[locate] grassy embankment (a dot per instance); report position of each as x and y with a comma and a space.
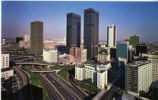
36, 82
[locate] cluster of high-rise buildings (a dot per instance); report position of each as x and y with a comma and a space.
91, 31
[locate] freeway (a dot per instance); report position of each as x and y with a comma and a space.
68, 86
25, 91
59, 89
51, 90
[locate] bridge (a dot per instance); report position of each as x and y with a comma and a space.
30, 63
45, 71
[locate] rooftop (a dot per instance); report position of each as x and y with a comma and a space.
138, 63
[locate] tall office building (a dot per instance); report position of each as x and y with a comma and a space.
91, 32
73, 31
37, 38
111, 36
138, 76
134, 41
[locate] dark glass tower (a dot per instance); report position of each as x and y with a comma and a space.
37, 38
73, 32
91, 32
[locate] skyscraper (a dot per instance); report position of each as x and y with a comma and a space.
111, 36
91, 32
73, 30
134, 41
37, 37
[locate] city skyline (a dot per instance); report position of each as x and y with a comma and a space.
130, 17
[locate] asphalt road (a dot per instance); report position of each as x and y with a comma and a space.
59, 89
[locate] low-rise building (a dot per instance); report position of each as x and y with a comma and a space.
5, 61
97, 74
50, 55
25, 44
79, 55
7, 73
3, 41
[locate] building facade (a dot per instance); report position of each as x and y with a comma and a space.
91, 32
141, 48
37, 38
26, 37
25, 44
138, 76
97, 74
111, 36
5, 61
122, 50
79, 55
102, 79
104, 55
79, 72
154, 61
50, 55
3, 41
73, 32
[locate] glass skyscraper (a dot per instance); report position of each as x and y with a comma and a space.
91, 32
73, 31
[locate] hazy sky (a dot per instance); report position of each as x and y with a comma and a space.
139, 18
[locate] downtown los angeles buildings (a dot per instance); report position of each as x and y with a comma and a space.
73, 31
37, 38
50, 55
138, 76
134, 41
6, 71
91, 32
26, 42
98, 74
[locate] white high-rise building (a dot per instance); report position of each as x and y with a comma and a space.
138, 76
102, 79
50, 55
111, 36
5, 61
